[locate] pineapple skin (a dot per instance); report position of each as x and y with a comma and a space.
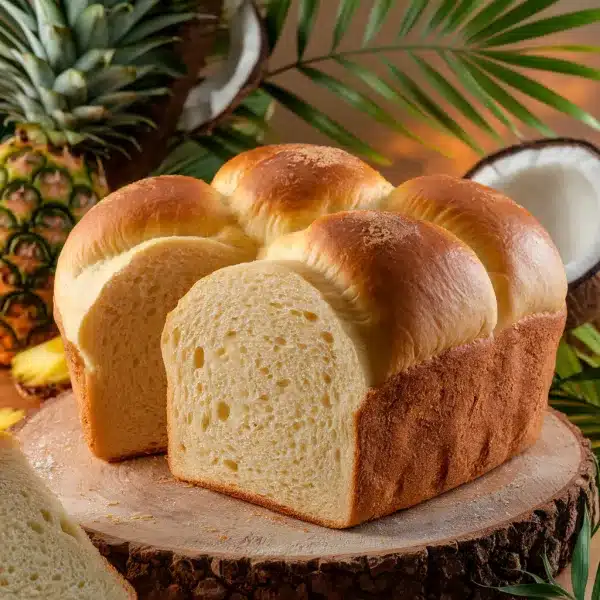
44, 192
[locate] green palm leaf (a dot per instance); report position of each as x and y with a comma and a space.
277, 11
545, 27
512, 18
447, 90
544, 63
487, 15
538, 91
377, 16
502, 97
308, 13
323, 123
413, 12
346, 10
465, 36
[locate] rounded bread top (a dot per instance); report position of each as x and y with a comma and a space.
522, 261
169, 205
276, 190
412, 288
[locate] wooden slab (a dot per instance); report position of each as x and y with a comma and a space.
172, 538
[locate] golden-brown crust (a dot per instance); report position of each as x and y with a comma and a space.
151, 208
417, 290
283, 189
523, 263
453, 418
233, 171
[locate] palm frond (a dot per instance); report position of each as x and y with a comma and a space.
458, 50
575, 390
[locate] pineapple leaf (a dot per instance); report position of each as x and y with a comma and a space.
124, 23
39, 72
72, 84
91, 28
59, 46
74, 9
146, 29
51, 100
134, 52
346, 10
21, 17
94, 59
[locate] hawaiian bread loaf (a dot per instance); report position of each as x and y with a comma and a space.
122, 269
129, 260
43, 554
370, 359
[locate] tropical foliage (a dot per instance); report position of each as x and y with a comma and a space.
576, 387
457, 67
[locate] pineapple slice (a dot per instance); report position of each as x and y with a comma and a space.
41, 366
9, 417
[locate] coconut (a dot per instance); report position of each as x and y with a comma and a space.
219, 94
558, 181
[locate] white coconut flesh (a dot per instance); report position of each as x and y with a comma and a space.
560, 186
217, 92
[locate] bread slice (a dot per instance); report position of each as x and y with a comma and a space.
43, 554
123, 268
263, 378
353, 372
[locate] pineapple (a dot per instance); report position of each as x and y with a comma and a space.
75, 77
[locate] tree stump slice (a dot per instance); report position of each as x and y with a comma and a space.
180, 542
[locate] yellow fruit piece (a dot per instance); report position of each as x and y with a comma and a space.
41, 365
9, 417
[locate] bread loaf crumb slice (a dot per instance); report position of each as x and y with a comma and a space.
264, 382
43, 554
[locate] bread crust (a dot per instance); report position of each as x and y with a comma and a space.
150, 208
453, 418
518, 253
281, 189
416, 289
415, 438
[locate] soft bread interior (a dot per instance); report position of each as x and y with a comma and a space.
264, 382
43, 554
120, 310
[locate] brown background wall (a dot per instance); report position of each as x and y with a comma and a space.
411, 159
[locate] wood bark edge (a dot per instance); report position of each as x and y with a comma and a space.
454, 569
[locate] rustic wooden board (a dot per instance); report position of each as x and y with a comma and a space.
176, 541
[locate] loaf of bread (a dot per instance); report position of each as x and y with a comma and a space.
370, 359
43, 554
341, 348
123, 268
